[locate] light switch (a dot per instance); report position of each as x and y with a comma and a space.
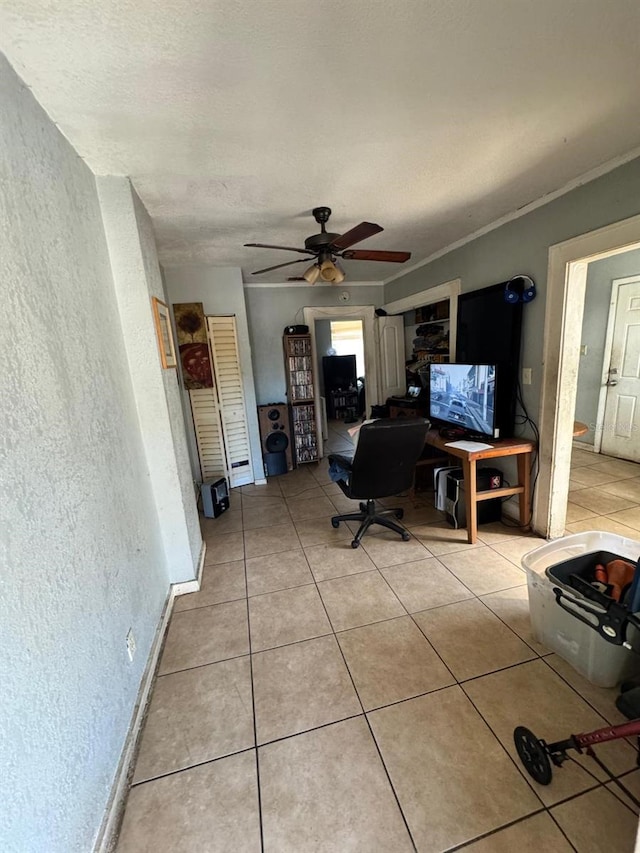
583, 349
526, 376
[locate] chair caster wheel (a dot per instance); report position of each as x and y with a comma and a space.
405, 537
355, 543
399, 513
335, 523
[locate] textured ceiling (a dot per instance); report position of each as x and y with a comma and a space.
235, 117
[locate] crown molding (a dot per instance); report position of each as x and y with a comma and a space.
585, 178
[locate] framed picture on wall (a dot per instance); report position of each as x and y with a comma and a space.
164, 333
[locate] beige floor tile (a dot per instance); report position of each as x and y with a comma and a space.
251, 502
515, 549
277, 571
620, 467
342, 504
475, 787
270, 489
212, 808
272, 514
419, 516
440, 538
497, 532
286, 616
629, 489
601, 502
471, 640
337, 560
605, 523
532, 695
197, 715
388, 549
304, 508
327, 790
307, 495
391, 661
205, 635
575, 512
603, 699
631, 781
537, 834
483, 570
424, 584
574, 485
225, 548
359, 600
580, 458
319, 530
271, 540
332, 489
596, 822
229, 522
223, 582
301, 687
297, 482
630, 517
512, 606
592, 476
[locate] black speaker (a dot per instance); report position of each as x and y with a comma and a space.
275, 436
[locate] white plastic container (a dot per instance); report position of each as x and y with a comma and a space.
602, 663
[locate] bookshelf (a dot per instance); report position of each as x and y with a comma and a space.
298, 368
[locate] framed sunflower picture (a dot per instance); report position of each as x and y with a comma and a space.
164, 333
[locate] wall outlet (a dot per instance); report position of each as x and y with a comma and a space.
526, 376
131, 644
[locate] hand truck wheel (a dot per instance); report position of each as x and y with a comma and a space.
533, 755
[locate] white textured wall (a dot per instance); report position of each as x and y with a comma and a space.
221, 291
81, 553
136, 276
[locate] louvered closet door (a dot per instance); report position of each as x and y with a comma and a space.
208, 429
228, 379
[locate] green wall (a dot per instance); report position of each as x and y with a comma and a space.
522, 246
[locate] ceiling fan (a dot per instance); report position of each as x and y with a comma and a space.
326, 248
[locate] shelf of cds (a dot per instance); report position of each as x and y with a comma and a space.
298, 365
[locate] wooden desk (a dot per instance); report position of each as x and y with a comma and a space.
520, 447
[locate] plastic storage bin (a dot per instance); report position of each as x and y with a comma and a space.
602, 663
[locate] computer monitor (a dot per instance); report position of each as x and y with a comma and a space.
463, 395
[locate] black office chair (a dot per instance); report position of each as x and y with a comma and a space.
383, 465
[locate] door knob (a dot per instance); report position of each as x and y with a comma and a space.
613, 371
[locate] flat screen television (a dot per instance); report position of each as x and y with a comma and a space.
489, 332
339, 372
463, 396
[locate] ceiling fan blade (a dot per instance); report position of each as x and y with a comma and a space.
355, 235
277, 266
283, 248
388, 257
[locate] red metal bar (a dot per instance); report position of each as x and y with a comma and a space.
608, 733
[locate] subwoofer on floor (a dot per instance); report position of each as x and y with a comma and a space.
275, 434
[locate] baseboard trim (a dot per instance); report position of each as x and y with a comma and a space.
192, 586
582, 445
108, 834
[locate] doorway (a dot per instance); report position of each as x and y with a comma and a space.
349, 322
566, 287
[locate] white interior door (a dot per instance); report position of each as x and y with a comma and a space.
621, 427
208, 430
392, 357
223, 341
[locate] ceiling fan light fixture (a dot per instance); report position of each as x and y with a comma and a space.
330, 272
312, 274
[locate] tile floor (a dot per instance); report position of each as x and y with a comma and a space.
315, 698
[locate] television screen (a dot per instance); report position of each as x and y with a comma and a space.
463, 395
